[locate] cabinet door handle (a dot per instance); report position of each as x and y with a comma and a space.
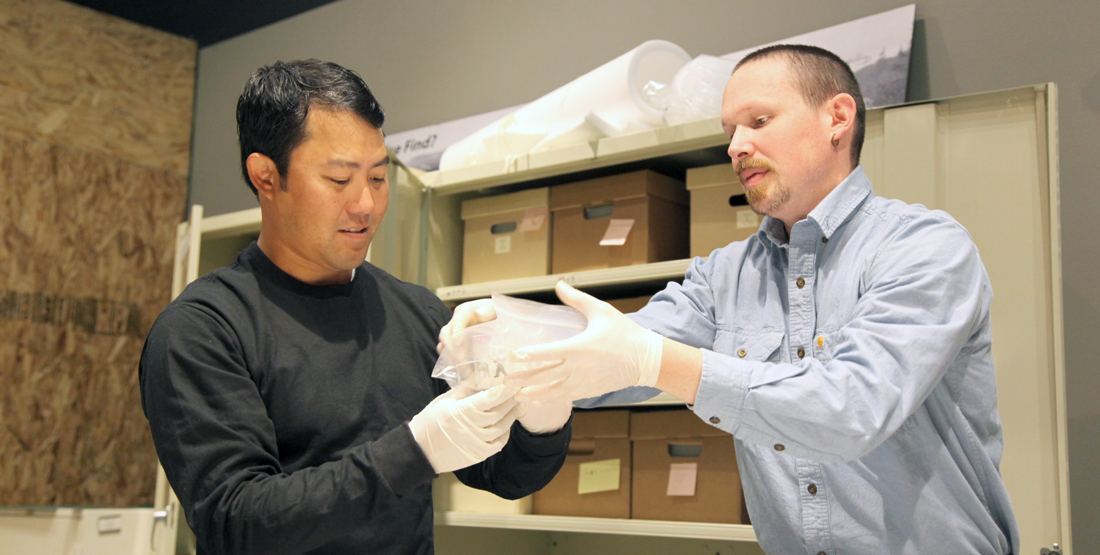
161, 516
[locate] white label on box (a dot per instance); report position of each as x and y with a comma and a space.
598, 476
747, 218
503, 244
533, 219
109, 524
617, 231
681, 479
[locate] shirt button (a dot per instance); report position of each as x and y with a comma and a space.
800, 283
779, 447
824, 239
801, 352
741, 353
715, 420
812, 489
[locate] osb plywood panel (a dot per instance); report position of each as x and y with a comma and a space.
86, 247
95, 83
68, 438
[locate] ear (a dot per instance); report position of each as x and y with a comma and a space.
841, 111
263, 173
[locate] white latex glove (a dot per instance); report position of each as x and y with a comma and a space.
539, 417
465, 315
461, 428
610, 354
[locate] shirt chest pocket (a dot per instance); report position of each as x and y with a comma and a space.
760, 346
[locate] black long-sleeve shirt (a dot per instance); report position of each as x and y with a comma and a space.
278, 410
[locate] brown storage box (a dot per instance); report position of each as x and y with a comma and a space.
720, 214
662, 438
495, 245
631, 304
584, 210
598, 435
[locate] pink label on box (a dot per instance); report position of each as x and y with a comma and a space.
681, 479
533, 219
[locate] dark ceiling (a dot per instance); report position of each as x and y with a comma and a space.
206, 21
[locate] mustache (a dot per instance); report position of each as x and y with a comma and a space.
746, 163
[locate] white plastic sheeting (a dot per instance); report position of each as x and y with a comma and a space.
609, 100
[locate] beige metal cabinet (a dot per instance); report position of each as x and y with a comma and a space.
990, 160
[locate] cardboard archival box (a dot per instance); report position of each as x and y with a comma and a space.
507, 236
449, 494
705, 485
641, 217
720, 214
598, 464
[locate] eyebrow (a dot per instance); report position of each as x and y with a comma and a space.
339, 163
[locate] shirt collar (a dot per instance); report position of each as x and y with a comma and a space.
835, 209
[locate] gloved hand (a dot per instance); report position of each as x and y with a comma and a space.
465, 315
610, 354
461, 427
539, 417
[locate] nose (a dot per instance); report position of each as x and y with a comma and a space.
741, 144
362, 204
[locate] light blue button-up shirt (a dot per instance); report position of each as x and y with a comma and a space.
852, 364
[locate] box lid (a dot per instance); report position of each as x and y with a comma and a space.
618, 187
510, 202
713, 176
670, 424
601, 424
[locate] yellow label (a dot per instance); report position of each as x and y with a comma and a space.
599, 476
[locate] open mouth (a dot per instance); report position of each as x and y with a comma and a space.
751, 171
753, 176
354, 231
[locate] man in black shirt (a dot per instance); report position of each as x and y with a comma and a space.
289, 394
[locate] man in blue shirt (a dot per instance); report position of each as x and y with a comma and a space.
846, 345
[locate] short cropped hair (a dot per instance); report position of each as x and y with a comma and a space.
272, 110
819, 75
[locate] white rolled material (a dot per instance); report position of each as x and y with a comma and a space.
606, 101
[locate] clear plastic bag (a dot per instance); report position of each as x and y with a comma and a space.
477, 357
695, 92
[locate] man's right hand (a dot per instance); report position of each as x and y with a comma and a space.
465, 315
461, 428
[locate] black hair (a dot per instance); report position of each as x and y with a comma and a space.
819, 75
272, 110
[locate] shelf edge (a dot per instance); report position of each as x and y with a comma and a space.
624, 274
652, 528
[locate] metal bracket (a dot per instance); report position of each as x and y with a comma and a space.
1057, 550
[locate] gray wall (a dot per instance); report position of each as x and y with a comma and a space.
433, 62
